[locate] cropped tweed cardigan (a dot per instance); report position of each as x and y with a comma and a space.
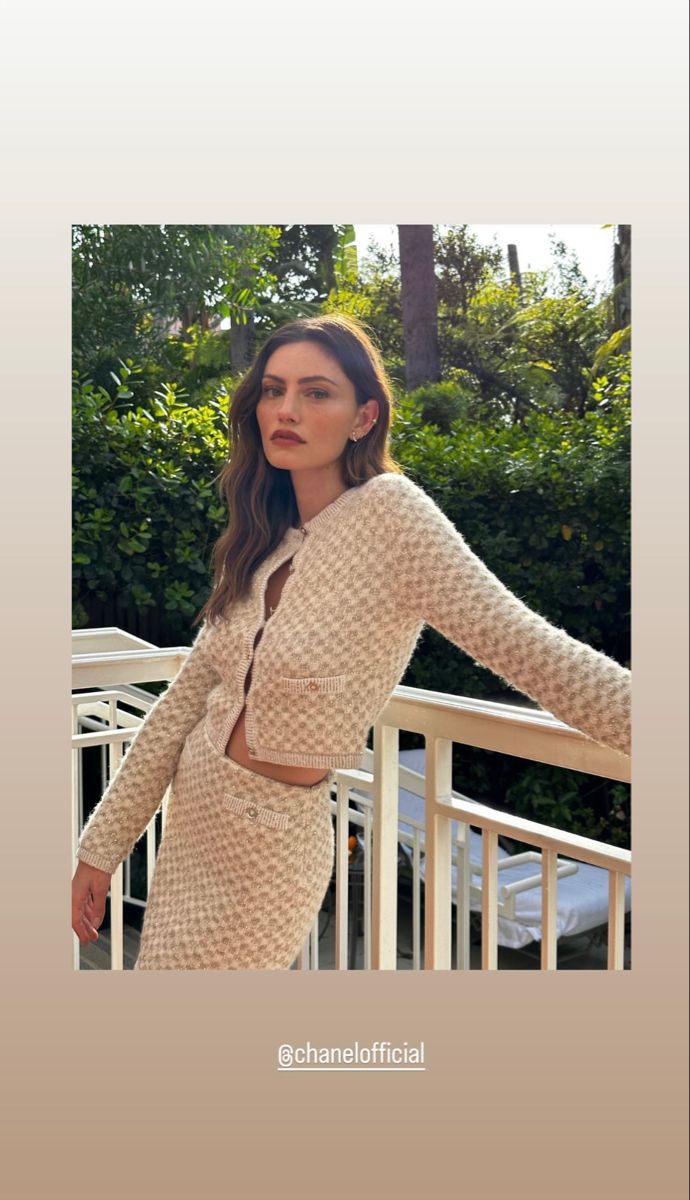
369, 571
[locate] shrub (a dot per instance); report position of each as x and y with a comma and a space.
145, 508
440, 404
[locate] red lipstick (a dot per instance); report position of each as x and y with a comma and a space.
286, 435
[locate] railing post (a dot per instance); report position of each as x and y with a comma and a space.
116, 921
384, 920
342, 873
116, 913
416, 902
437, 877
462, 905
616, 929
366, 882
489, 900
549, 910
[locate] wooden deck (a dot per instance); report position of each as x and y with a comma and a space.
96, 956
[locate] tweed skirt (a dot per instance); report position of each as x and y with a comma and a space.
242, 868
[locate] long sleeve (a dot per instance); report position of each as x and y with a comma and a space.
139, 784
451, 589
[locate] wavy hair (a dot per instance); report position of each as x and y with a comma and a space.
259, 497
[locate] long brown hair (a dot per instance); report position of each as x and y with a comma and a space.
260, 498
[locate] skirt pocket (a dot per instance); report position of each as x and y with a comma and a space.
266, 847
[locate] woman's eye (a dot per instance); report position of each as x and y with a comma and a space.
271, 389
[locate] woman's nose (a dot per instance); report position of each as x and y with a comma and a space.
289, 403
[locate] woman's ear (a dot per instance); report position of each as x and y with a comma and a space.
372, 409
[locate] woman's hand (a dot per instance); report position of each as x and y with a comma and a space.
89, 891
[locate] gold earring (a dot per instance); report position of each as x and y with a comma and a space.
354, 437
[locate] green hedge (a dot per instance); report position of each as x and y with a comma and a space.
546, 505
145, 507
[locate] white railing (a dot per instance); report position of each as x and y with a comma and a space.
536, 736
442, 720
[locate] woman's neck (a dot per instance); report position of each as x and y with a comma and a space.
315, 493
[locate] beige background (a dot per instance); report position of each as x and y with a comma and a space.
558, 1085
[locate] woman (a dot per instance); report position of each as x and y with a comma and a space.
332, 563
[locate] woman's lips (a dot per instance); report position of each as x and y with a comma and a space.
287, 441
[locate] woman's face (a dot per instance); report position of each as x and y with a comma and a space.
304, 390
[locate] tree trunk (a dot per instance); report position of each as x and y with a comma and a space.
621, 277
514, 266
327, 249
242, 339
419, 304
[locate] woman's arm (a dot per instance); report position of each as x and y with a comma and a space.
139, 784
450, 588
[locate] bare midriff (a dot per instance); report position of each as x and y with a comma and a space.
236, 747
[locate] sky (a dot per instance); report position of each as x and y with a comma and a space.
592, 244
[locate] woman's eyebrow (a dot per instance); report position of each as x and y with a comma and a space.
305, 378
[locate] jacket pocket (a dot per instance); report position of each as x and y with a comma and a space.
316, 684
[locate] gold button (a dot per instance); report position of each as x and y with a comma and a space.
313, 686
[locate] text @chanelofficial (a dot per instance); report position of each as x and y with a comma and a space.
372, 1056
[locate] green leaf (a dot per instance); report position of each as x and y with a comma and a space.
546, 366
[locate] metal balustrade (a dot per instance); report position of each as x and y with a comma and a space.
109, 664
